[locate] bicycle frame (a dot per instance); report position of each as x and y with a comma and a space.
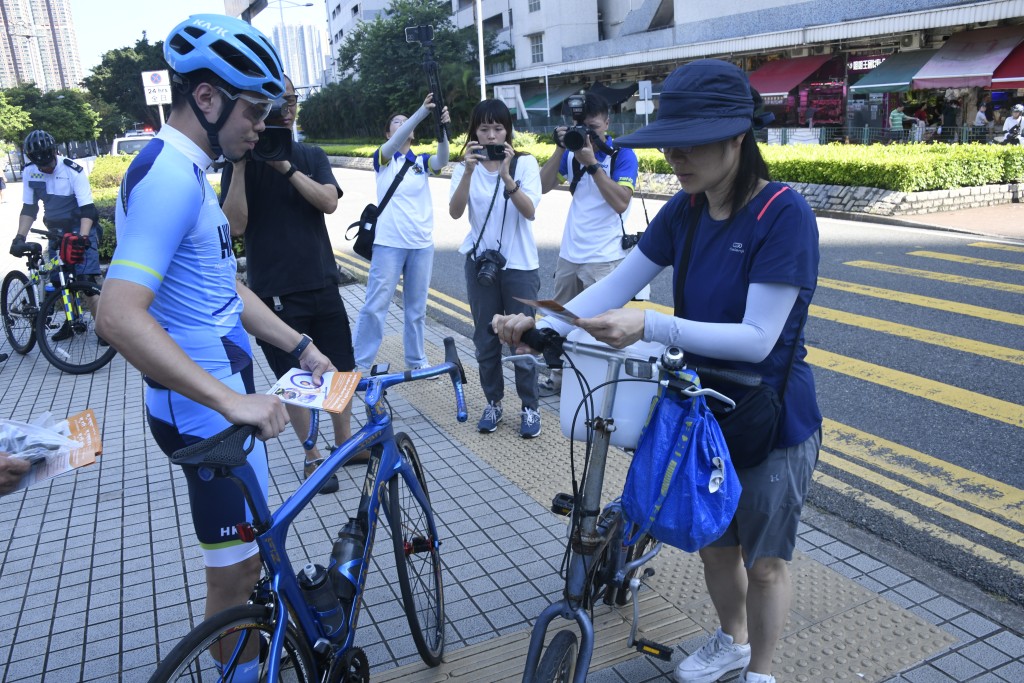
271, 528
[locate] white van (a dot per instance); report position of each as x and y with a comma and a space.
129, 145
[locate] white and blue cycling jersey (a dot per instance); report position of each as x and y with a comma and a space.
173, 238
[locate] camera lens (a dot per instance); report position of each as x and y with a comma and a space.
574, 139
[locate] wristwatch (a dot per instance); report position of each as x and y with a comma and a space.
303, 343
592, 168
291, 171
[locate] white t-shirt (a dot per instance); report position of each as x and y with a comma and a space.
516, 235
407, 221
980, 119
1010, 122
593, 230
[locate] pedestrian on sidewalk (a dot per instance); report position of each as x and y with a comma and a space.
745, 255
502, 264
602, 181
278, 207
403, 246
171, 303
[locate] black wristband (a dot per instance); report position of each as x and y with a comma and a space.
291, 171
592, 169
303, 343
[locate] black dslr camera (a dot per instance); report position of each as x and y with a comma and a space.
630, 241
275, 143
487, 266
576, 136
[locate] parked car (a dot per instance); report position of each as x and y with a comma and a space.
129, 145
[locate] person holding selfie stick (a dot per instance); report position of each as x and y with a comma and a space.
501, 255
404, 243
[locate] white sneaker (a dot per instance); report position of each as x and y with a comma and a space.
748, 677
713, 660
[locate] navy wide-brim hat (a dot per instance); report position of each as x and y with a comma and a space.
702, 102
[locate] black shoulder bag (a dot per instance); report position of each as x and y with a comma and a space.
366, 226
752, 427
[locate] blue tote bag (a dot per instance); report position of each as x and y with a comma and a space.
681, 487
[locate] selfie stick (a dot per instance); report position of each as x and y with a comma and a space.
424, 35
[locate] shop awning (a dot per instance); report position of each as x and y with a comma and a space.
969, 59
1010, 74
614, 93
554, 95
778, 78
894, 74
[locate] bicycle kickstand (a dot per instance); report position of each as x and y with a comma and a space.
642, 645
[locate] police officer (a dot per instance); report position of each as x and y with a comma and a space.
63, 187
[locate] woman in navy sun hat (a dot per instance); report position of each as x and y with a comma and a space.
744, 254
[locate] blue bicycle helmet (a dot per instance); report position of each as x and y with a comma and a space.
40, 147
235, 51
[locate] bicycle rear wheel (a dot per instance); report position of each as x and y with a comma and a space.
418, 559
18, 303
222, 637
72, 346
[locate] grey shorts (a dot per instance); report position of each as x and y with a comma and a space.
773, 496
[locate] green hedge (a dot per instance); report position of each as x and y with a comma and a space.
904, 167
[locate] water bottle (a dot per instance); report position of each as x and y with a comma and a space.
348, 546
320, 596
49, 286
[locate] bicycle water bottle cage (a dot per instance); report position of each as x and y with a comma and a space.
229, 448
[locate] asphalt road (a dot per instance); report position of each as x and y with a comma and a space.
917, 343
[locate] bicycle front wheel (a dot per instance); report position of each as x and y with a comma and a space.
417, 558
18, 302
221, 646
70, 342
558, 665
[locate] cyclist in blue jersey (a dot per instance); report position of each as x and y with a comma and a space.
172, 305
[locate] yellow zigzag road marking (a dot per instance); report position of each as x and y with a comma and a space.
911, 520
924, 301
995, 245
942, 277
939, 392
968, 260
978, 348
992, 496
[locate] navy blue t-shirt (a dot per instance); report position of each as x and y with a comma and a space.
772, 240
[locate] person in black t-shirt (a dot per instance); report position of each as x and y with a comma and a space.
279, 207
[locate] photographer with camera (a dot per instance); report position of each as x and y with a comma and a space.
501, 255
404, 244
602, 181
278, 205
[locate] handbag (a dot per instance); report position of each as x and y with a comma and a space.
681, 487
366, 226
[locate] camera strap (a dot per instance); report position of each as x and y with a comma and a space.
578, 172
504, 214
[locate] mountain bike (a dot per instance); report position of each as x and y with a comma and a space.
63, 325
599, 564
302, 624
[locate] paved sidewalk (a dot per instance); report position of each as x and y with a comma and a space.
99, 573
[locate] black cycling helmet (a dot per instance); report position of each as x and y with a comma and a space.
237, 53
40, 148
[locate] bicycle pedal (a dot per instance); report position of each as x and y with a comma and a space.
649, 647
562, 504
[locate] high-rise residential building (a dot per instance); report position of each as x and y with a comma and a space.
342, 17
302, 51
39, 44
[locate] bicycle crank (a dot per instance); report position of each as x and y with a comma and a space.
352, 667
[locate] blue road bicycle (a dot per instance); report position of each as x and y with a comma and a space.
301, 625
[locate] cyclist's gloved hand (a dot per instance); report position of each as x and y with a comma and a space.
18, 246
72, 248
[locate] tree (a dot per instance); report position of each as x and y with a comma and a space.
385, 73
64, 114
117, 80
13, 120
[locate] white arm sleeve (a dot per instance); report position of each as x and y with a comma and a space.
613, 291
440, 160
394, 143
768, 307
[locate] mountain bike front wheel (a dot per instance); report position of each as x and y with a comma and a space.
220, 647
69, 341
417, 558
18, 303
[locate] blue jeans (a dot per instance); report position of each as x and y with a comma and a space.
414, 266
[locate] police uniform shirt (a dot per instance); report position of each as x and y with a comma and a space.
62, 192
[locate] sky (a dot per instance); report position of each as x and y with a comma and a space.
102, 25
